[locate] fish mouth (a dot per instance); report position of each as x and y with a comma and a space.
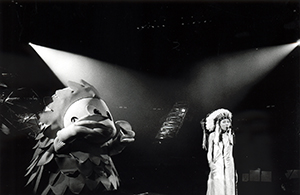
94, 117
101, 123
101, 130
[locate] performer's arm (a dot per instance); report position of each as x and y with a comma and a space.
210, 148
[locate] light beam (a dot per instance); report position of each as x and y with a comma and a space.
117, 85
225, 80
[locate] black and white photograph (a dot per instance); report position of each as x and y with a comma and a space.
140, 97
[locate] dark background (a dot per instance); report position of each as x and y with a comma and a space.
131, 34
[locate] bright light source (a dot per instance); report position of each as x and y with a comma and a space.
115, 83
298, 42
173, 122
227, 79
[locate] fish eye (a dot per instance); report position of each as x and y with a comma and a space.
74, 119
96, 111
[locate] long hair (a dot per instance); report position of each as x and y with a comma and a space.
209, 124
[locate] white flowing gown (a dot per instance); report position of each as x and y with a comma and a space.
221, 179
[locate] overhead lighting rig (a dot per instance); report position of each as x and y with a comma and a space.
173, 121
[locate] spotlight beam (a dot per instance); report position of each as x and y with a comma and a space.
225, 80
117, 85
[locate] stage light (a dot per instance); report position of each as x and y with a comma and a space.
298, 42
113, 82
227, 79
118, 85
